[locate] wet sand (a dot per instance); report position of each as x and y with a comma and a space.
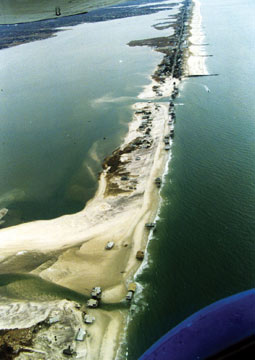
126, 199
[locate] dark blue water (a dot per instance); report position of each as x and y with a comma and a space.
204, 248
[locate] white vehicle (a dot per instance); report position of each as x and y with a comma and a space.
109, 245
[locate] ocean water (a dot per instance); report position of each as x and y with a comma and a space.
204, 245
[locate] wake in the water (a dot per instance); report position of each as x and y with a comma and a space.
207, 88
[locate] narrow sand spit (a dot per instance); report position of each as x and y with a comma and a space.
118, 213
126, 199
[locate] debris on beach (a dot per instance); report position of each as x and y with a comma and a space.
150, 225
140, 255
44, 330
69, 351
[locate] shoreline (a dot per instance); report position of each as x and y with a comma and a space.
126, 199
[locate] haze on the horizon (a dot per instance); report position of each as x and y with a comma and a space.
19, 11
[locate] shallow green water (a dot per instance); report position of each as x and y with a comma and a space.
65, 104
33, 288
203, 249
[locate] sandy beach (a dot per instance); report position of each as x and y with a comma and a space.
196, 57
127, 198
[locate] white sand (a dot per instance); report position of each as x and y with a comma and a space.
196, 58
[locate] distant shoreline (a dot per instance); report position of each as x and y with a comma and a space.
25, 32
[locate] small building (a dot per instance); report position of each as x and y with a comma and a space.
96, 292
92, 303
150, 225
129, 295
109, 245
88, 319
80, 336
132, 287
167, 147
131, 291
158, 182
68, 351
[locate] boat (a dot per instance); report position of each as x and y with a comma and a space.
57, 11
